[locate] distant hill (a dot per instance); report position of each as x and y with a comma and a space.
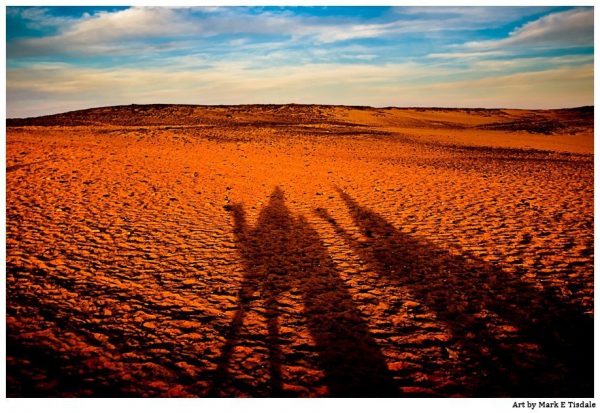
572, 120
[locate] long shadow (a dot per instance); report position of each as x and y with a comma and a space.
283, 253
475, 300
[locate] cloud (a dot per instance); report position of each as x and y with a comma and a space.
103, 32
543, 89
119, 32
64, 79
497, 60
564, 29
466, 55
528, 64
38, 17
476, 14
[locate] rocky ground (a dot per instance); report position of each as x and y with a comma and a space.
300, 251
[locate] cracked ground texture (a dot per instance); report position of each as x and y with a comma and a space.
256, 251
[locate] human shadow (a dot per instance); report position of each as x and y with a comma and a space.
549, 354
284, 253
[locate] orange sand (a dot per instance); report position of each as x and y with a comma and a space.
300, 251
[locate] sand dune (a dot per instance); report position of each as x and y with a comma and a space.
298, 250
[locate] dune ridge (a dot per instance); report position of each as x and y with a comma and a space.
540, 121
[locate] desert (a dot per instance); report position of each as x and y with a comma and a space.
300, 251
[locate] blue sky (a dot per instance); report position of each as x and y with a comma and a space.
66, 58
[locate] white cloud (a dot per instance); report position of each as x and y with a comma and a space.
527, 64
564, 29
466, 55
103, 32
152, 28
38, 17
121, 31
543, 89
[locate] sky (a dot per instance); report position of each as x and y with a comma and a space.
69, 58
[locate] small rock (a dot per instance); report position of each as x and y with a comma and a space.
411, 304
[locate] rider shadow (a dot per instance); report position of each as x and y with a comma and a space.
283, 253
473, 297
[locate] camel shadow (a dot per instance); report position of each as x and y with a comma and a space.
476, 300
284, 253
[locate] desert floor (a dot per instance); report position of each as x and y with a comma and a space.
300, 251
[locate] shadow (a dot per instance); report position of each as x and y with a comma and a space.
547, 349
60, 380
282, 254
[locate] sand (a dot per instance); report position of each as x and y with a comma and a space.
300, 251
